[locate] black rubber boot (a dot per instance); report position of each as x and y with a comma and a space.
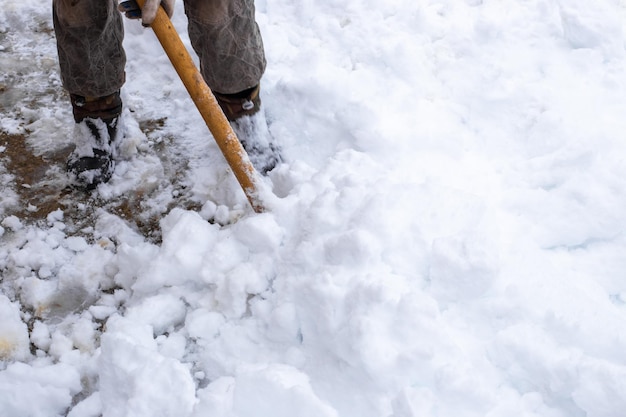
93, 160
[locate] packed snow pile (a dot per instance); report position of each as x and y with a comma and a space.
445, 237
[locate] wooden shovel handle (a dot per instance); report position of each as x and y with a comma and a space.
207, 104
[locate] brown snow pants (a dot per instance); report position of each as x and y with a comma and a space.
223, 33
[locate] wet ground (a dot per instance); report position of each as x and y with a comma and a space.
42, 187
33, 181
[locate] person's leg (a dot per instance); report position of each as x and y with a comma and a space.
227, 39
228, 42
89, 36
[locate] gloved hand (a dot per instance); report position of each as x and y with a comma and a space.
131, 9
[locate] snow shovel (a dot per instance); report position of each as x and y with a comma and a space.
206, 103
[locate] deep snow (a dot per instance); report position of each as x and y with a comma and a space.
445, 239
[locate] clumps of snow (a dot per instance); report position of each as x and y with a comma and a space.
14, 341
162, 312
129, 362
12, 223
28, 389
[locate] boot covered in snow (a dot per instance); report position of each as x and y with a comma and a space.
255, 137
93, 160
250, 126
